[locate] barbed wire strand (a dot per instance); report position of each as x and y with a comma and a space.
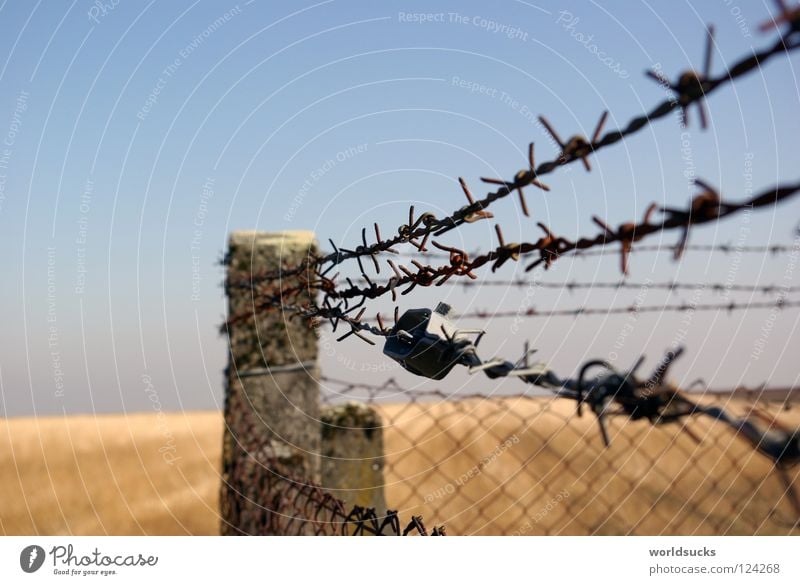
569, 285
706, 207
427, 225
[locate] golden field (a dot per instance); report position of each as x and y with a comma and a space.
106, 475
502, 466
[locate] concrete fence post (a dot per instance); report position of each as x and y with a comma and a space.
271, 391
352, 455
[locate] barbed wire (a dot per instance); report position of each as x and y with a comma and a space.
538, 421
427, 343
427, 224
614, 393
346, 305
336, 304
610, 393
706, 207
570, 285
391, 388
262, 497
628, 309
772, 249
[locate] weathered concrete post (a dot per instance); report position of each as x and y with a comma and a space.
352, 455
272, 392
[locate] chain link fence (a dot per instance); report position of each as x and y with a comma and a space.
662, 461
529, 465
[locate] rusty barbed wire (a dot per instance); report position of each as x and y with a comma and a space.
730, 307
570, 285
427, 225
665, 479
691, 80
301, 507
787, 15
336, 305
391, 387
551, 247
267, 499
726, 248
773, 249
426, 352
644, 400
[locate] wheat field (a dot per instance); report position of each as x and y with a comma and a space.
158, 474
106, 474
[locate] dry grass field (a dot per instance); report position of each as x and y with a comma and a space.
543, 471
106, 475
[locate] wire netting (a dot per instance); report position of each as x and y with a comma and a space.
529, 465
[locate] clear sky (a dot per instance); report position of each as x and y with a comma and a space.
138, 135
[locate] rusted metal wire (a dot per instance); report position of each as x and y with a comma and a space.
338, 304
532, 312
292, 506
688, 91
345, 304
551, 247
772, 249
690, 81
726, 248
250, 280
767, 481
615, 393
570, 285
786, 15
263, 498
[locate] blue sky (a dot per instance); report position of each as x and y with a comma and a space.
143, 133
